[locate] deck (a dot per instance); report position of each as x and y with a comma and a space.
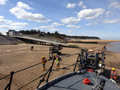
73, 81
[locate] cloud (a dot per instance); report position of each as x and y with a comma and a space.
115, 5
70, 5
108, 13
31, 3
3, 21
95, 23
3, 2
111, 21
62, 32
70, 31
90, 13
57, 24
53, 29
50, 27
45, 27
20, 13
10, 27
84, 6
19, 24
80, 3
73, 26
3, 32
70, 20
75, 12
88, 24
23, 5
1, 17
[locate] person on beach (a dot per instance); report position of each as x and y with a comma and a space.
104, 47
113, 74
43, 60
57, 61
32, 48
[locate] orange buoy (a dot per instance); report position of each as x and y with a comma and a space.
86, 81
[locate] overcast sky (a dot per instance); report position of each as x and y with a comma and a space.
72, 17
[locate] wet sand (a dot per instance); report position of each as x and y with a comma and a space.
17, 57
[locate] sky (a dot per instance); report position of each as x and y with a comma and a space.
99, 18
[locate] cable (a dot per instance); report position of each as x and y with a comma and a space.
30, 66
36, 65
31, 81
23, 69
5, 76
93, 79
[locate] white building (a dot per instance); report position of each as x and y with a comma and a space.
13, 33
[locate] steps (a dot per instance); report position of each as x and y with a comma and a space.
4, 41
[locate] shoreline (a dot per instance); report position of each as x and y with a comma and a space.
110, 47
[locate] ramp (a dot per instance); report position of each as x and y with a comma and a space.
4, 41
39, 40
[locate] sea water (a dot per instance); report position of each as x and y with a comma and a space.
115, 48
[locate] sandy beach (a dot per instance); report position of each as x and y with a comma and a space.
17, 57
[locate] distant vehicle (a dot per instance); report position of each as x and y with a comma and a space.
41, 34
14, 43
54, 49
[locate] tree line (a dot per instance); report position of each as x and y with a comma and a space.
62, 36
56, 34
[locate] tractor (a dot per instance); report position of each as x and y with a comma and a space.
54, 50
90, 59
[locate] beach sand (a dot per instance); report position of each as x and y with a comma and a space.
17, 57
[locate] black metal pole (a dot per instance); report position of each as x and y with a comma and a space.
76, 63
11, 80
50, 70
6, 86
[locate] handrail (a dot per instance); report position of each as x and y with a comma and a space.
31, 81
49, 71
23, 69
5, 76
43, 75
10, 82
78, 59
11, 74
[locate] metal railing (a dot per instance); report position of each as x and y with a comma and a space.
48, 72
12, 73
8, 86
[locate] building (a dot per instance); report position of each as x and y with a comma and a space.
13, 33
